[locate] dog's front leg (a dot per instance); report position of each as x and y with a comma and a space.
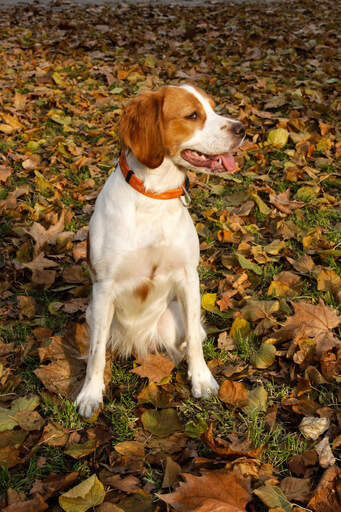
102, 307
188, 292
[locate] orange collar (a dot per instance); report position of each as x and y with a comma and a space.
138, 185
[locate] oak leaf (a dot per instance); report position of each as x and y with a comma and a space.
215, 491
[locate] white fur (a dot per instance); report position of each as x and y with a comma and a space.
137, 240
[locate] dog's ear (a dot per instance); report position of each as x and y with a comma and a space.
141, 128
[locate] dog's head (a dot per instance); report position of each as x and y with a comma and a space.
180, 123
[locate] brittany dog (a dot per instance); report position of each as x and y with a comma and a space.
143, 246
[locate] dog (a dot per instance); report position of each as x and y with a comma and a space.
143, 246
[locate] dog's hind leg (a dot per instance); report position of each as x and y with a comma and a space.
171, 331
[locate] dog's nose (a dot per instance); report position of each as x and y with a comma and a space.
238, 129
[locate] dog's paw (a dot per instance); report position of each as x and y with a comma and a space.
203, 383
89, 400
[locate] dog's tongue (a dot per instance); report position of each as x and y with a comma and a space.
229, 162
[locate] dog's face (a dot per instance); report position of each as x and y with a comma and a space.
180, 123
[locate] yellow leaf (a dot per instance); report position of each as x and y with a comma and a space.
84, 496
263, 208
278, 137
5, 128
13, 121
279, 289
240, 328
208, 301
57, 78
265, 356
275, 247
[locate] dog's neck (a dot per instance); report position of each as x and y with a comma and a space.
167, 176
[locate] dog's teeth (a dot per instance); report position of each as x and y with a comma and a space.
220, 161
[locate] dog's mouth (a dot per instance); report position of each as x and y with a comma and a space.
215, 164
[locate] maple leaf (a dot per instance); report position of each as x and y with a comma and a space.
215, 491
155, 367
314, 321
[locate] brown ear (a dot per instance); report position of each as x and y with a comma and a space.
141, 128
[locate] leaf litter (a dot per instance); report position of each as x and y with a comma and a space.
270, 262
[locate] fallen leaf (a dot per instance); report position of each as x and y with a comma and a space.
278, 137
79, 450
273, 497
296, 489
85, 495
230, 450
171, 474
233, 393
126, 484
264, 357
155, 367
257, 400
216, 490
256, 309
161, 423
312, 427
248, 265
316, 321
326, 457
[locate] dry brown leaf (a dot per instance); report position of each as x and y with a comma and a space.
5, 172
53, 484
130, 448
315, 321
44, 236
27, 306
327, 496
326, 457
171, 474
296, 489
283, 203
36, 504
329, 281
126, 484
233, 393
155, 367
231, 450
9, 456
55, 435
256, 309
215, 491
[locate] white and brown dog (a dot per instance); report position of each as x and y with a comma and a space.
144, 249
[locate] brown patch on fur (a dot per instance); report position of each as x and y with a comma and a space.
140, 128
152, 275
141, 292
88, 258
178, 104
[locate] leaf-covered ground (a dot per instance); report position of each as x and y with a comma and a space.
270, 268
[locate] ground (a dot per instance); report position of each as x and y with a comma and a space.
270, 239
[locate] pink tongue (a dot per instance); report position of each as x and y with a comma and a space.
228, 162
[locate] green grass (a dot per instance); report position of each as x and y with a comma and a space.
51, 460
61, 410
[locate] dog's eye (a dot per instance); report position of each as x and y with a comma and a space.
193, 116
